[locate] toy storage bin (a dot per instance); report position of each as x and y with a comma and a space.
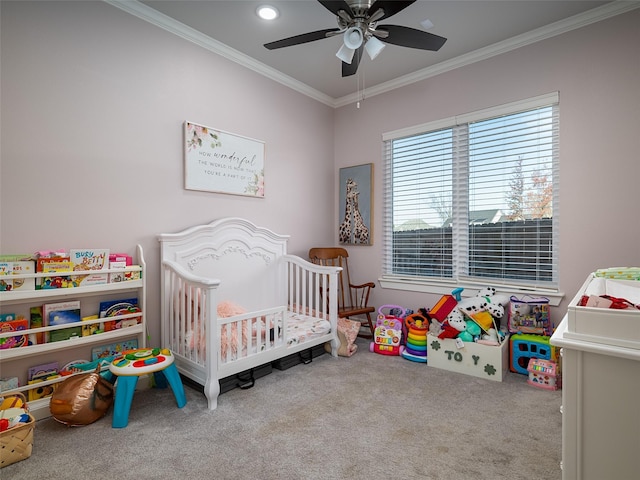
304, 356
16, 443
484, 361
244, 380
603, 325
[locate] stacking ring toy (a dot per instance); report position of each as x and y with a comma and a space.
416, 321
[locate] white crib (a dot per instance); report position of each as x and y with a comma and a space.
289, 303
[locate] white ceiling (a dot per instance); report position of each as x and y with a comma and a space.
475, 29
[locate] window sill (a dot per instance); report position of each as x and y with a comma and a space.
443, 288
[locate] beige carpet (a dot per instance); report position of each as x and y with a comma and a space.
365, 417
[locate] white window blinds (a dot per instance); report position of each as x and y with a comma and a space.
474, 198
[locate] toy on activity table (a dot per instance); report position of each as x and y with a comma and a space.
417, 326
387, 337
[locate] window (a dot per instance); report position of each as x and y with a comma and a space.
473, 199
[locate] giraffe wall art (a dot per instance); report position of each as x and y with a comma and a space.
355, 205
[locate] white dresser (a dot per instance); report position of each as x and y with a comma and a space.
601, 393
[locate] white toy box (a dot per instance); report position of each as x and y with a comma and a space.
484, 361
608, 326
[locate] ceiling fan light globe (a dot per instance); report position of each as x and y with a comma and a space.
353, 38
374, 47
345, 54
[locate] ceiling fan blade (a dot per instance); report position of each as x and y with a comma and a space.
389, 7
336, 5
302, 38
351, 68
410, 37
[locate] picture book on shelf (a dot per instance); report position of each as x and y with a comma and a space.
114, 308
91, 328
49, 308
123, 276
113, 349
120, 257
90, 261
14, 326
41, 373
46, 369
36, 321
8, 383
7, 269
43, 391
54, 265
63, 317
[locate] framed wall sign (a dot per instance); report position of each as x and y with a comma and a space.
356, 205
218, 161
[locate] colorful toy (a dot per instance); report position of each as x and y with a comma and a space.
417, 326
444, 307
542, 374
524, 347
486, 300
387, 337
133, 363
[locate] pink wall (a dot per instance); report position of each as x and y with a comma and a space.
93, 101
93, 105
596, 69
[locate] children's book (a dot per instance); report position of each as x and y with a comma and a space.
120, 257
43, 391
90, 261
14, 326
114, 308
38, 374
123, 276
62, 317
91, 328
54, 265
46, 370
18, 257
48, 308
36, 321
113, 349
7, 269
117, 276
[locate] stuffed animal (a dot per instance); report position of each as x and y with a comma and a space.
452, 325
485, 300
456, 320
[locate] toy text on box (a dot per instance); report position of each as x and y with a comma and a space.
484, 361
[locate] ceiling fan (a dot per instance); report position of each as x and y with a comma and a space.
358, 23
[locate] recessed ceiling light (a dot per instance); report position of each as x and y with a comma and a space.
267, 12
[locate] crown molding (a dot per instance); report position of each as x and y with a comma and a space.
553, 29
557, 28
177, 28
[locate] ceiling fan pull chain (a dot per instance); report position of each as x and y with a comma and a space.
360, 93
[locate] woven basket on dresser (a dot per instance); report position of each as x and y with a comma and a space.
16, 443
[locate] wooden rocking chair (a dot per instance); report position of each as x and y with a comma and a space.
353, 300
